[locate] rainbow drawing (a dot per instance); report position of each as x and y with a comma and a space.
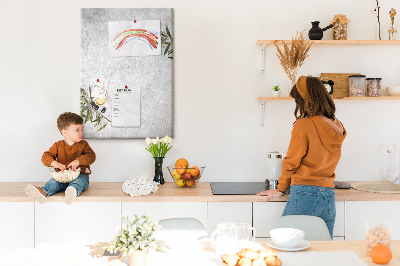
139, 34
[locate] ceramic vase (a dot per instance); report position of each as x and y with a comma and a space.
138, 257
158, 175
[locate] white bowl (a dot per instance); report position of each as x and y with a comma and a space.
393, 91
287, 237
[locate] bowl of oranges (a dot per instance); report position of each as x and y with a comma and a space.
185, 175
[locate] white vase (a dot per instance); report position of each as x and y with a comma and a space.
138, 257
276, 93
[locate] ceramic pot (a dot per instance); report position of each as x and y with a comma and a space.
158, 175
276, 93
138, 257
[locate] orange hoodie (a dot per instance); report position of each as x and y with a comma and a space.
313, 154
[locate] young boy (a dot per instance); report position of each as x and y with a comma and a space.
68, 153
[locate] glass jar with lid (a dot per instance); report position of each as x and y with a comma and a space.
357, 84
374, 87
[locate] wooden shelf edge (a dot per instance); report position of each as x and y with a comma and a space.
335, 98
339, 42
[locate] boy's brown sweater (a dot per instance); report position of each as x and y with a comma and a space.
65, 154
313, 154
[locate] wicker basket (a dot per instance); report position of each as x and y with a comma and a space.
65, 176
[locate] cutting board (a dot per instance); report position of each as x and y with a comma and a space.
341, 86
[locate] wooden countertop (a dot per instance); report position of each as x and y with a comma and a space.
112, 192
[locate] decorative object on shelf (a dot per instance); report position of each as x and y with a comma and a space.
292, 58
328, 84
393, 91
374, 87
393, 27
341, 81
139, 186
340, 24
378, 26
357, 84
316, 33
135, 238
276, 91
158, 148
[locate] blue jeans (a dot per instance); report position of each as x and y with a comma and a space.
80, 184
314, 201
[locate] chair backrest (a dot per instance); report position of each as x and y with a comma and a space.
314, 227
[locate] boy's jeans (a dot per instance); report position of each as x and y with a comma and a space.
80, 184
314, 201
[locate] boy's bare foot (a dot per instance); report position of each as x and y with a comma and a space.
36, 193
70, 195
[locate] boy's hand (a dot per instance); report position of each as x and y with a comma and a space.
58, 165
74, 164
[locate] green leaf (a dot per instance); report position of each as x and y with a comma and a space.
102, 127
166, 49
169, 34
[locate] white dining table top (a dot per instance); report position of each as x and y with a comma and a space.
76, 254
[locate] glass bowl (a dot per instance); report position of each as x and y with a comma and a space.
65, 176
186, 177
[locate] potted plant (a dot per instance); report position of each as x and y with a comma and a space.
135, 238
276, 91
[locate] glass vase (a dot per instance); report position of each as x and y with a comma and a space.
378, 31
158, 174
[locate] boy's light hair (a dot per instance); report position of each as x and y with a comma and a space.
66, 119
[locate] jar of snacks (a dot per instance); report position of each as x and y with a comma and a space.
374, 87
377, 232
357, 84
339, 30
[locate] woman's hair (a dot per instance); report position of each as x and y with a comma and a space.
319, 100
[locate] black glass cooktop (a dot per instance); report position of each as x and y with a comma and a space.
236, 188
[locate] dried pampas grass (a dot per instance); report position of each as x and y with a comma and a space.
292, 58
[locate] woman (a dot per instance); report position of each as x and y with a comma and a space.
313, 154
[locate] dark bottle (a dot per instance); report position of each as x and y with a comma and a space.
316, 32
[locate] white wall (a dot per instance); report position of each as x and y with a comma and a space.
216, 84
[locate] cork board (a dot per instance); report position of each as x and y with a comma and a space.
341, 80
126, 72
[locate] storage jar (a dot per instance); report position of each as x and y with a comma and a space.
374, 87
357, 84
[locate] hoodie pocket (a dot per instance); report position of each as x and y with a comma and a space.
306, 203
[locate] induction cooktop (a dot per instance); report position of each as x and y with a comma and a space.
237, 188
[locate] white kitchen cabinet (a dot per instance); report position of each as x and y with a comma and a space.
16, 226
220, 212
165, 210
79, 222
358, 212
266, 215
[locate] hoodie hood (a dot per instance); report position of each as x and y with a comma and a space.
330, 133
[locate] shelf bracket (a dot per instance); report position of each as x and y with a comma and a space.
262, 113
263, 58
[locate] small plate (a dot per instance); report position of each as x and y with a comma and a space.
303, 245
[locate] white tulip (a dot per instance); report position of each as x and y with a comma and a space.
148, 141
154, 141
169, 140
158, 140
162, 140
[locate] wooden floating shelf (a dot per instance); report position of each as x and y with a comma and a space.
335, 98
338, 42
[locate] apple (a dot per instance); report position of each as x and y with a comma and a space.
186, 176
180, 170
195, 172
190, 183
176, 175
180, 182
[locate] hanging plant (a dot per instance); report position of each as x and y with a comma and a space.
89, 113
167, 41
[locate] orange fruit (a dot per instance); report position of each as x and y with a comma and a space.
381, 254
182, 163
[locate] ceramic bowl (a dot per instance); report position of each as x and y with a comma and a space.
393, 91
287, 237
186, 177
65, 176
